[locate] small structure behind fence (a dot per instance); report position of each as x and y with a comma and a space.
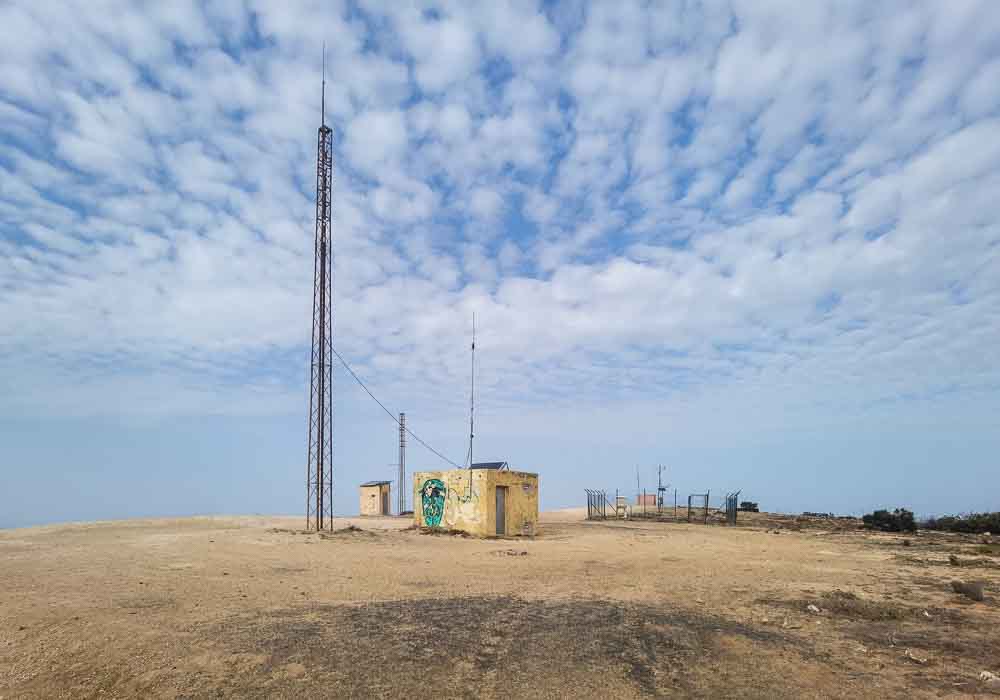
698, 500
732, 507
621, 507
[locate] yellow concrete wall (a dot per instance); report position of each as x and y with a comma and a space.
465, 495
522, 502
469, 500
371, 499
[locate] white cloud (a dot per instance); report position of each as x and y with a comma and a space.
485, 203
444, 50
376, 139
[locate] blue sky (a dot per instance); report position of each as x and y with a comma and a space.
757, 242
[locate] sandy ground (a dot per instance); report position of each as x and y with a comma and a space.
254, 607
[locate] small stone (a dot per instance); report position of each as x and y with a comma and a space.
813, 609
972, 590
989, 678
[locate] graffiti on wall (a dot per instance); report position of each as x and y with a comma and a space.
463, 499
432, 495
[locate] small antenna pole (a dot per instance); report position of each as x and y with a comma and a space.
402, 464
472, 394
323, 98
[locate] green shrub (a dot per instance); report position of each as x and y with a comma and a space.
971, 522
899, 520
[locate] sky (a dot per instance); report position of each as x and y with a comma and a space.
755, 242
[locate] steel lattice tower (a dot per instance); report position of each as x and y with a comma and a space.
319, 470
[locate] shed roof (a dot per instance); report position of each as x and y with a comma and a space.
376, 483
489, 465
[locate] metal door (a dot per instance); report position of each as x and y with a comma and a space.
501, 510
385, 503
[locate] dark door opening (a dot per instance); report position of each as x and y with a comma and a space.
501, 510
385, 503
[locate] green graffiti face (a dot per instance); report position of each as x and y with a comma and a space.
432, 501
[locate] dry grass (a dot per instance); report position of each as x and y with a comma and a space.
990, 550
475, 646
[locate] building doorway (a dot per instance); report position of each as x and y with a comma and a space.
501, 510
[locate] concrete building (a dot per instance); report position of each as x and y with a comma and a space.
486, 500
375, 498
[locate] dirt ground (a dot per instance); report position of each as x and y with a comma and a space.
254, 607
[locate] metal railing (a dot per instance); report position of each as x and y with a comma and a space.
701, 499
732, 507
600, 507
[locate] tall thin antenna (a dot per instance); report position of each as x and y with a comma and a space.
323, 98
472, 394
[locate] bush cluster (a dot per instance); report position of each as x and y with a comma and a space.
971, 522
749, 507
899, 520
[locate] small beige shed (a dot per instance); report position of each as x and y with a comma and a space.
375, 498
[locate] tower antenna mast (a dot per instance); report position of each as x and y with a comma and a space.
319, 469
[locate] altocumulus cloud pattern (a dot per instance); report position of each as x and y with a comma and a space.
747, 204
